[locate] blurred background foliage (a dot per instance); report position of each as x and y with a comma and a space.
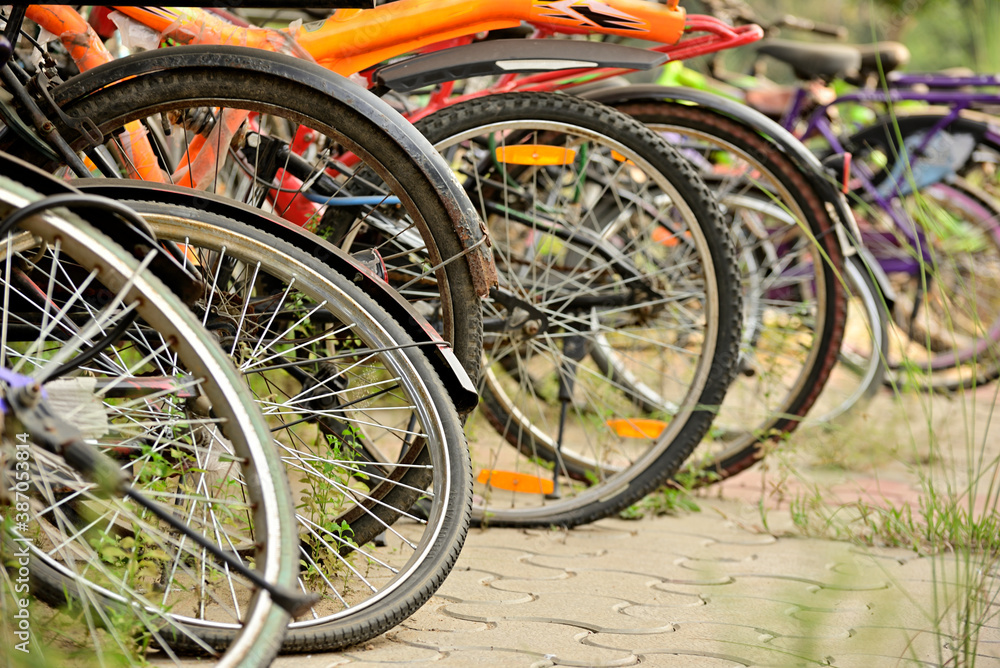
939, 33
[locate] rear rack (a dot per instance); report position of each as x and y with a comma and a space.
721, 36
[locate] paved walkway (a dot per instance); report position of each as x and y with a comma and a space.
711, 589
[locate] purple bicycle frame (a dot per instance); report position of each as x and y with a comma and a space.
941, 90
957, 102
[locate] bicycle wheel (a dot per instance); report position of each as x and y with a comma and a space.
862, 363
791, 263
122, 360
947, 308
944, 261
604, 239
362, 424
292, 137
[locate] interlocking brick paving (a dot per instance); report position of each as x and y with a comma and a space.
706, 590
732, 585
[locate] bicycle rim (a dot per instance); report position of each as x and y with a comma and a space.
165, 403
598, 245
362, 426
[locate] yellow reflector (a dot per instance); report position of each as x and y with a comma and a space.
621, 158
535, 154
515, 482
637, 427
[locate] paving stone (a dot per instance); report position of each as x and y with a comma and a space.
705, 590
584, 611
873, 660
505, 562
736, 643
919, 642
387, 650
627, 586
809, 578
431, 617
475, 585
551, 641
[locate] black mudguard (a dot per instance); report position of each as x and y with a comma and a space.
456, 381
504, 56
223, 60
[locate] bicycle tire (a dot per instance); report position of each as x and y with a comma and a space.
863, 360
303, 97
793, 193
602, 471
941, 350
954, 343
96, 589
437, 463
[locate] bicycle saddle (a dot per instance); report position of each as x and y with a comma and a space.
814, 61
891, 55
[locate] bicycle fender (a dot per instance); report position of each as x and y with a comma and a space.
872, 266
138, 242
826, 183
456, 381
504, 56
218, 60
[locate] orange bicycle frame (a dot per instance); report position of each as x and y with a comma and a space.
352, 40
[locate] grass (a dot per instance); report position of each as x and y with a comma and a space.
942, 446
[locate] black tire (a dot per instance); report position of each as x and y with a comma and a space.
608, 148
744, 440
198, 78
438, 464
94, 553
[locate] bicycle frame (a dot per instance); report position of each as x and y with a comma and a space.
354, 39
818, 123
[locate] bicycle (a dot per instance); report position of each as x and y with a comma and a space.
782, 190
390, 457
617, 279
372, 174
742, 446
931, 164
385, 440
117, 478
721, 375
802, 392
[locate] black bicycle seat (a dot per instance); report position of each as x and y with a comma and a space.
814, 61
891, 56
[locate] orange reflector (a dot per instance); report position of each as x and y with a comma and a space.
637, 427
665, 237
621, 158
535, 154
515, 482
